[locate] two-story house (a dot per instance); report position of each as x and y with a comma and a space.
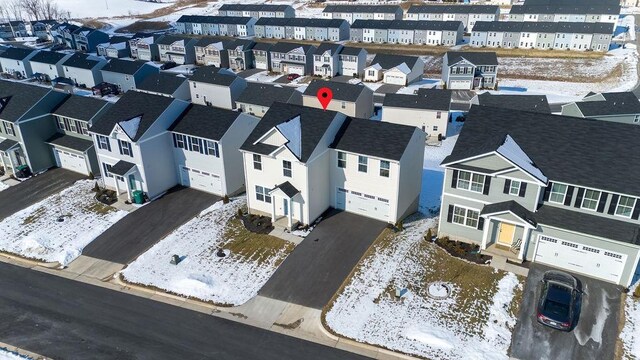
41, 28
117, 47
467, 14
87, 39
16, 62
126, 74
211, 50
428, 110
528, 186
72, 145
144, 47
257, 98
352, 61
166, 84
534, 103
394, 69
83, 70
240, 54
13, 29
257, 10
470, 70
133, 144
62, 34
326, 60
621, 107
213, 86
26, 124
178, 49
206, 141
291, 58
351, 13
261, 56
355, 100
47, 65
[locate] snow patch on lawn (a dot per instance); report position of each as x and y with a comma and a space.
35, 232
499, 313
263, 77
201, 274
630, 334
3, 186
10, 355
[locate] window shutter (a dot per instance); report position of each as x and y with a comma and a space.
487, 185
636, 210
547, 191
120, 146
523, 189
578, 202
567, 199
450, 214
507, 185
108, 143
614, 203
480, 223
175, 143
454, 179
188, 141
603, 201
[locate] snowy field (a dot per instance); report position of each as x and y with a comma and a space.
9, 355
109, 8
476, 325
232, 280
630, 334
35, 232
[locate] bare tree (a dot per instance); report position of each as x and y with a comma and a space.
14, 9
32, 8
51, 10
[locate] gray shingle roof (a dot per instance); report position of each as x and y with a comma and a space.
306, 22
209, 19
618, 103
213, 75
578, 9
407, 25
254, 7
374, 138
288, 189
204, 121
265, 94
327, 46
535, 103
14, 53
121, 167
81, 61
285, 47
341, 91
512, 206
388, 61
131, 105
314, 123
7, 144
170, 39
129, 67
262, 46
70, 142
208, 40
455, 9
475, 57
80, 107
353, 51
389, 9
18, 98
162, 82
427, 99
577, 151
47, 57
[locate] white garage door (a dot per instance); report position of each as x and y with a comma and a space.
295, 69
71, 161
362, 204
459, 85
395, 80
201, 180
588, 260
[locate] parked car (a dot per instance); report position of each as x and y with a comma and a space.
559, 296
292, 77
168, 65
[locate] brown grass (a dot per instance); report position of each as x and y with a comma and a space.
558, 54
99, 208
291, 326
34, 216
141, 26
252, 246
93, 23
176, 6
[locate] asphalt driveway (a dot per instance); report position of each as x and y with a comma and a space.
137, 232
594, 336
35, 189
318, 266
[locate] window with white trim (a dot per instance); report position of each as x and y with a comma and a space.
211, 148
590, 199
514, 189
384, 168
8, 128
103, 142
194, 144
342, 159
286, 168
466, 217
125, 148
262, 194
558, 193
471, 182
362, 163
179, 141
257, 162
625, 206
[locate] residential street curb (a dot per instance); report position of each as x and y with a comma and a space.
23, 352
31, 262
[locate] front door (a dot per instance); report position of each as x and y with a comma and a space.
285, 207
132, 182
505, 234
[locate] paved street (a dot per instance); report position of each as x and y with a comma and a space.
38, 188
318, 266
65, 319
135, 233
594, 336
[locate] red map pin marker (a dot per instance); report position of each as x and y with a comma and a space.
324, 96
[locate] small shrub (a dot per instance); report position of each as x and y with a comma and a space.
636, 293
429, 235
240, 213
96, 187
225, 199
400, 225
91, 177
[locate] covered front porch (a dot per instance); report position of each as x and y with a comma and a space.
506, 230
125, 178
11, 155
286, 206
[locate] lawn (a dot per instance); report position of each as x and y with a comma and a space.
630, 335
231, 280
37, 233
474, 322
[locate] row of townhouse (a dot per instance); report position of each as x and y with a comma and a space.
117, 46
591, 13
216, 25
469, 15
576, 36
351, 13
257, 10
235, 54
38, 28
79, 38
407, 32
13, 29
302, 29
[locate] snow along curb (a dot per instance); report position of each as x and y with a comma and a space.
31, 262
23, 352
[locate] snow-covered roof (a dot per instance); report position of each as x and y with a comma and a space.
512, 151
130, 127
292, 131
403, 68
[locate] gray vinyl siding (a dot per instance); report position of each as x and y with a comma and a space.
604, 42
34, 134
456, 231
572, 110
356, 34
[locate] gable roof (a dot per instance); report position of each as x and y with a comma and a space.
426, 99
578, 151
204, 121
15, 53
80, 107
302, 22
214, 75
47, 57
213, 19
18, 98
389, 9
265, 94
616, 103
535, 103
577, 9
474, 57
313, 125
82, 61
262, 46
388, 61
170, 39
208, 40
162, 82
332, 48
131, 105
121, 66
285, 47
363, 136
349, 50
455, 9
510, 206
341, 91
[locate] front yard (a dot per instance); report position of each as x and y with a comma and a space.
630, 335
231, 280
58, 227
474, 322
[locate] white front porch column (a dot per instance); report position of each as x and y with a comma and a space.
289, 214
273, 209
115, 179
525, 242
126, 182
485, 233
3, 164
